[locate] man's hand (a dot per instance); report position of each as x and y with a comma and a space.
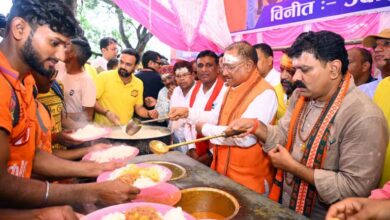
150, 101
98, 168
192, 153
242, 124
359, 209
65, 139
153, 113
170, 90
113, 118
281, 158
177, 113
56, 212
114, 192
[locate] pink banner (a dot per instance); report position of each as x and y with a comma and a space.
354, 27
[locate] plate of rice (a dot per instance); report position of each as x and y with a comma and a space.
138, 211
117, 153
141, 175
90, 132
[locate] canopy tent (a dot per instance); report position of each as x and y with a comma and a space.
184, 25
195, 25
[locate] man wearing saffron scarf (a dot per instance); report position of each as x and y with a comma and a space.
331, 143
248, 96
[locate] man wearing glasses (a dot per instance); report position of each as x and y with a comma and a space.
185, 79
248, 95
151, 61
379, 43
205, 103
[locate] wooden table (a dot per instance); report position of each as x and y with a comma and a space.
252, 204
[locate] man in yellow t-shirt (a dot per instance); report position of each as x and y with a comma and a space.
119, 93
381, 46
265, 64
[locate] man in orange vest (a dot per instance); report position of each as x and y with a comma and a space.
334, 137
205, 103
37, 35
248, 95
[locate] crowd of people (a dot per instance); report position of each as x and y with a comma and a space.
313, 136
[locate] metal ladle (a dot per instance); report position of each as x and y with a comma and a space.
134, 125
159, 147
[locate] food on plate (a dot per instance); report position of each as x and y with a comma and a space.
139, 176
89, 131
112, 153
143, 212
146, 212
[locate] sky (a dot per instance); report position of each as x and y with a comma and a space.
5, 5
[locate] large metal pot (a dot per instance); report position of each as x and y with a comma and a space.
142, 138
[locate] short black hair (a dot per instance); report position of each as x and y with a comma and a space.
366, 55
112, 63
324, 45
265, 48
149, 56
132, 52
56, 14
208, 53
3, 22
82, 50
105, 41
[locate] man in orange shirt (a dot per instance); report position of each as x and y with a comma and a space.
37, 35
248, 95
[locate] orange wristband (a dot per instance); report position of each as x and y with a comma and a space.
256, 125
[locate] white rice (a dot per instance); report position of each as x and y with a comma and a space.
89, 131
117, 152
115, 216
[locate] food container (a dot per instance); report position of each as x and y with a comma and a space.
208, 203
142, 138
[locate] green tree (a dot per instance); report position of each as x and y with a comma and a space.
127, 30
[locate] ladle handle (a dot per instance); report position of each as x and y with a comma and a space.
153, 120
196, 140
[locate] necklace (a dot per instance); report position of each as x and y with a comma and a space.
298, 127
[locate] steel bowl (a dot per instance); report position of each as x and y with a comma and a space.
178, 171
208, 203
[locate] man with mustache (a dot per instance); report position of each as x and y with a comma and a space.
37, 35
379, 59
185, 80
286, 75
205, 103
380, 43
331, 143
119, 92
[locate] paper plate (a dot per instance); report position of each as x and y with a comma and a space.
164, 193
99, 214
168, 174
134, 150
